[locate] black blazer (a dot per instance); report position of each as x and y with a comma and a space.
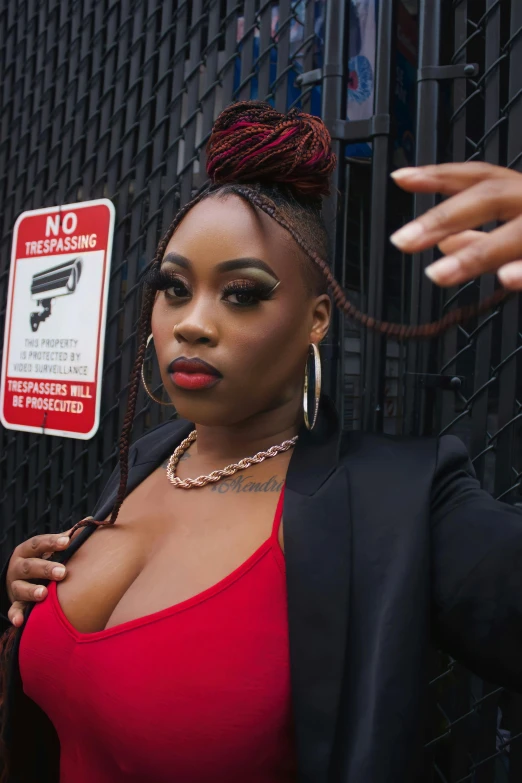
390, 544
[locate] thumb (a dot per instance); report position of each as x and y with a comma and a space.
16, 613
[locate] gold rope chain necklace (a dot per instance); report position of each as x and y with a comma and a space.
217, 475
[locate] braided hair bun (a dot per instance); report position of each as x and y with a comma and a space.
253, 145
252, 142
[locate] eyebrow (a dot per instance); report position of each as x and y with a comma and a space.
223, 266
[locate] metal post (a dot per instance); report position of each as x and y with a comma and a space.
448, 348
426, 152
506, 469
334, 88
373, 364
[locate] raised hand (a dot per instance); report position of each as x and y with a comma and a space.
479, 193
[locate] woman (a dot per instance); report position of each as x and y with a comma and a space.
269, 621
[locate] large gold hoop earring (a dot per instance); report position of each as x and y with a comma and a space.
148, 391
317, 386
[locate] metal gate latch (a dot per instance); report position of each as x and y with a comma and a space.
435, 381
457, 71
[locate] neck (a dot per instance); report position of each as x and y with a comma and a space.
251, 435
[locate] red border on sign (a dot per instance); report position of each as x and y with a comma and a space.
47, 412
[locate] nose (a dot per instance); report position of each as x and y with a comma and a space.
196, 327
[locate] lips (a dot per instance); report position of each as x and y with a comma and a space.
193, 373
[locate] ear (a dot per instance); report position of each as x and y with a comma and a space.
321, 314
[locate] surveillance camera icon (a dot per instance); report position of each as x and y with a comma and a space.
60, 280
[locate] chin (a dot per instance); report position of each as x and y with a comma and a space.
200, 408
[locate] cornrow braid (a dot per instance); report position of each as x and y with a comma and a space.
401, 331
260, 201
279, 164
143, 331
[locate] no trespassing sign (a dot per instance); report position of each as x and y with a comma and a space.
55, 319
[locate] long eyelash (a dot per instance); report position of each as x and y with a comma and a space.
159, 279
260, 290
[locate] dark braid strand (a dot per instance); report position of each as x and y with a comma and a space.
7, 643
280, 164
134, 382
401, 331
262, 202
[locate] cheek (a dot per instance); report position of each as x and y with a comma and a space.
162, 324
266, 346
271, 345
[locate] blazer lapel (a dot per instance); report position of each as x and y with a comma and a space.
317, 535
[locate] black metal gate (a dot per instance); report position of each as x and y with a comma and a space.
114, 99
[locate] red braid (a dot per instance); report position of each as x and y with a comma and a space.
251, 143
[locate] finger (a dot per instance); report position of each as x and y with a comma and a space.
16, 613
483, 203
44, 543
36, 568
457, 241
499, 247
25, 591
449, 178
510, 275
67, 533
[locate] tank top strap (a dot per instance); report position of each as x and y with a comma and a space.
278, 514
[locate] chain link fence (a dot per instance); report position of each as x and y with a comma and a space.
477, 727
117, 99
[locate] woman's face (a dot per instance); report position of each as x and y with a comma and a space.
233, 296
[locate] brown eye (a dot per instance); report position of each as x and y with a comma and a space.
178, 290
242, 298
245, 293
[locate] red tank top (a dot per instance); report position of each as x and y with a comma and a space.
196, 693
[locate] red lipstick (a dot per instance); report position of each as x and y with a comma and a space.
193, 374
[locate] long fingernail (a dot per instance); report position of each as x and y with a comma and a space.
39, 592
408, 172
444, 272
510, 274
409, 233
63, 541
58, 572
